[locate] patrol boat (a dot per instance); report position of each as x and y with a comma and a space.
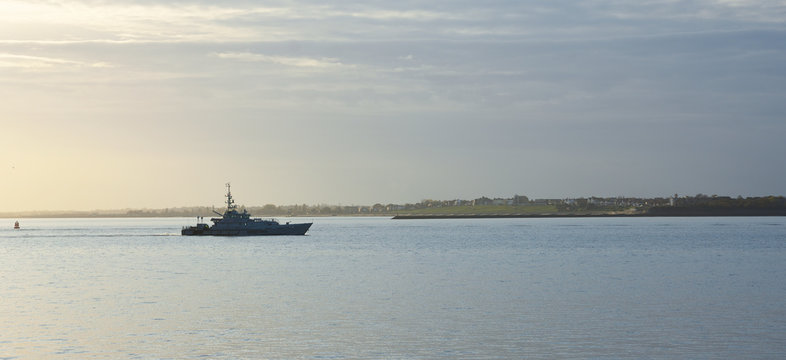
235, 223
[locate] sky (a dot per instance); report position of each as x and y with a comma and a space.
152, 104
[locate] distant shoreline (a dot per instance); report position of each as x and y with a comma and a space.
547, 216
750, 213
661, 212
465, 212
510, 216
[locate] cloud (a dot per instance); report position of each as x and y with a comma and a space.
762, 12
75, 21
304, 62
79, 21
490, 80
40, 62
133, 22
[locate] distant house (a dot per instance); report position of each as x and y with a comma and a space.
520, 200
482, 201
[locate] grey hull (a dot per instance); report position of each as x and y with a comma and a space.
288, 229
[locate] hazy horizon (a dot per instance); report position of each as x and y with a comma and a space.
156, 104
284, 205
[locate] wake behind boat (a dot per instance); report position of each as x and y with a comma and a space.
235, 223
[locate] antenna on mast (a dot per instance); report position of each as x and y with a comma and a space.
230, 203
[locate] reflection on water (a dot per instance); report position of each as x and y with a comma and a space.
378, 288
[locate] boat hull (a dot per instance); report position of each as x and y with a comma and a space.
287, 229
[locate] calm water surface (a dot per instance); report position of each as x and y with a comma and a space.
374, 288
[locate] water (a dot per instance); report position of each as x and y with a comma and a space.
360, 288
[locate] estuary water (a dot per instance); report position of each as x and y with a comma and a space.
376, 288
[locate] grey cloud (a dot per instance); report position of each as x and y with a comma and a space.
645, 98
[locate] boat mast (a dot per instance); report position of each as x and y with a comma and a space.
230, 203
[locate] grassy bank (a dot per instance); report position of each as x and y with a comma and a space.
482, 210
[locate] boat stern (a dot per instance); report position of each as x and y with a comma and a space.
199, 229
